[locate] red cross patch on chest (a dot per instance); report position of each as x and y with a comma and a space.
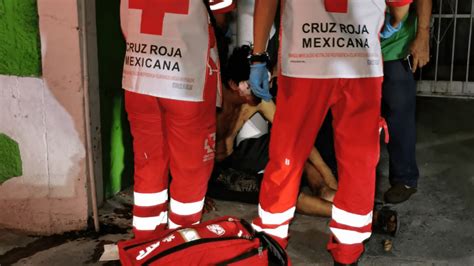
154, 11
336, 6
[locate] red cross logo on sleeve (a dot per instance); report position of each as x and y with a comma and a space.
336, 6
153, 13
210, 143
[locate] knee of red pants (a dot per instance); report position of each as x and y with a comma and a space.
280, 185
151, 179
190, 179
192, 147
192, 152
190, 187
151, 162
344, 253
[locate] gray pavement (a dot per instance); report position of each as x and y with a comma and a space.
437, 223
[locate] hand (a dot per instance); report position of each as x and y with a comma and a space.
420, 49
259, 81
388, 29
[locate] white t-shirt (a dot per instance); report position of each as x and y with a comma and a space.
255, 127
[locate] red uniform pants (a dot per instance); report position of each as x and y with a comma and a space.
171, 136
302, 105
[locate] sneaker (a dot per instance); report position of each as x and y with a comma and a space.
399, 193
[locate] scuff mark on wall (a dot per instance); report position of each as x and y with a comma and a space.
10, 158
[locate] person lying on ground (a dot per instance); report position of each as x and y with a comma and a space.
239, 105
238, 170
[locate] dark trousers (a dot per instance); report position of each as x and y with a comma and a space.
398, 109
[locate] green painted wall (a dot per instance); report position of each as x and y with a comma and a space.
116, 139
20, 52
10, 159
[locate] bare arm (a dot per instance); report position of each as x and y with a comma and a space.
397, 14
245, 113
420, 47
267, 109
264, 15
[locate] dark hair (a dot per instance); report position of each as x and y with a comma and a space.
237, 68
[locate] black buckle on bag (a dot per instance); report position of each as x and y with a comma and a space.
276, 254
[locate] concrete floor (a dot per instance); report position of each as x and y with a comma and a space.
437, 223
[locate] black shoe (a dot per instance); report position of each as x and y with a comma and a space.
399, 193
385, 221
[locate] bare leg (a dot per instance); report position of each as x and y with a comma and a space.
318, 184
313, 205
320, 203
326, 173
314, 177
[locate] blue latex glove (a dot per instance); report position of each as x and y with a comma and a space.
259, 81
388, 30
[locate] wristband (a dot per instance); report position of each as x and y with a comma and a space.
259, 57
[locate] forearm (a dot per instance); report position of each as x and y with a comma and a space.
268, 110
423, 12
245, 113
420, 47
264, 15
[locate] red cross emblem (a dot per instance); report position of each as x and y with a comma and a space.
336, 6
210, 143
153, 13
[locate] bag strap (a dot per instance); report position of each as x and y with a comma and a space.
243, 256
276, 254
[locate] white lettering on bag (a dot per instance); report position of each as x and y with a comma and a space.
143, 253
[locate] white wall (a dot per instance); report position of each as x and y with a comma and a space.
46, 117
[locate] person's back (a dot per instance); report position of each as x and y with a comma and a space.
332, 39
170, 100
330, 59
